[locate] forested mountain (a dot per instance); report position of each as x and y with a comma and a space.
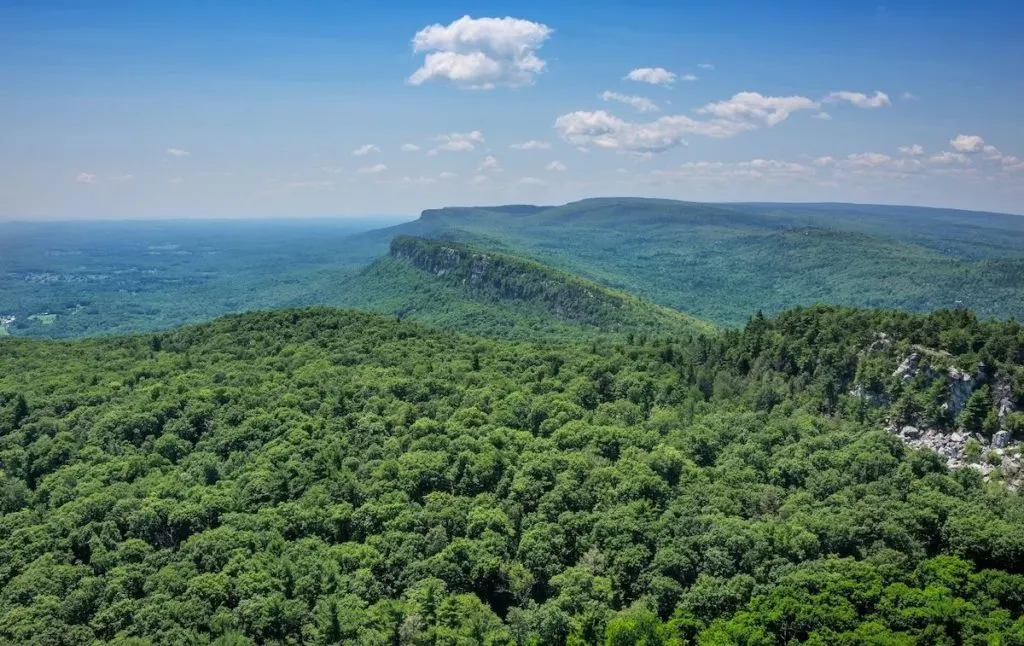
715, 262
722, 262
317, 476
459, 287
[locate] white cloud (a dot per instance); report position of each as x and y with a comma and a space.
457, 142
87, 178
823, 116
334, 170
913, 151
409, 148
603, 130
533, 144
373, 170
489, 164
752, 106
706, 66
967, 143
824, 161
481, 53
690, 77
556, 166
652, 75
532, 181
907, 96
868, 159
178, 152
946, 157
480, 179
365, 150
880, 99
640, 103
447, 175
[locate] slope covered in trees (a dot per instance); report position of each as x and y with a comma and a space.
721, 262
454, 286
718, 263
316, 476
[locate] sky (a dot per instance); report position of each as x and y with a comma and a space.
127, 109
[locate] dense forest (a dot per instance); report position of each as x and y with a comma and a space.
460, 287
717, 263
319, 476
722, 262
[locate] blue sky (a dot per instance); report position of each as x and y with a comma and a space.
127, 109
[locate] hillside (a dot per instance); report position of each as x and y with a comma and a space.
721, 262
459, 287
317, 476
716, 262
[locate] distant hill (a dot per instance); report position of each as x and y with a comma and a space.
720, 263
456, 286
723, 262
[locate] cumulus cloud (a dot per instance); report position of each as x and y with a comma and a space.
946, 157
652, 75
533, 144
480, 179
641, 104
556, 166
824, 161
447, 175
913, 151
603, 130
690, 77
178, 152
457, 142
859, 99
823, 116
868, 159
752, 106
87, 178
706, 66
489, 164
373, 170
365, 150
409, 148
967, 143
481, 53
907, 96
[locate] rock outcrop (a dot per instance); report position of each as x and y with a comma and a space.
961, 385
1004, 400
908, 369
999, 457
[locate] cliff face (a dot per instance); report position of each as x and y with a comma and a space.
511, 279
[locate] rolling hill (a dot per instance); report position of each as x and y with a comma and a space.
460, 287
723, 262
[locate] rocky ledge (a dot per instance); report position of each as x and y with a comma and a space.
996, 459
